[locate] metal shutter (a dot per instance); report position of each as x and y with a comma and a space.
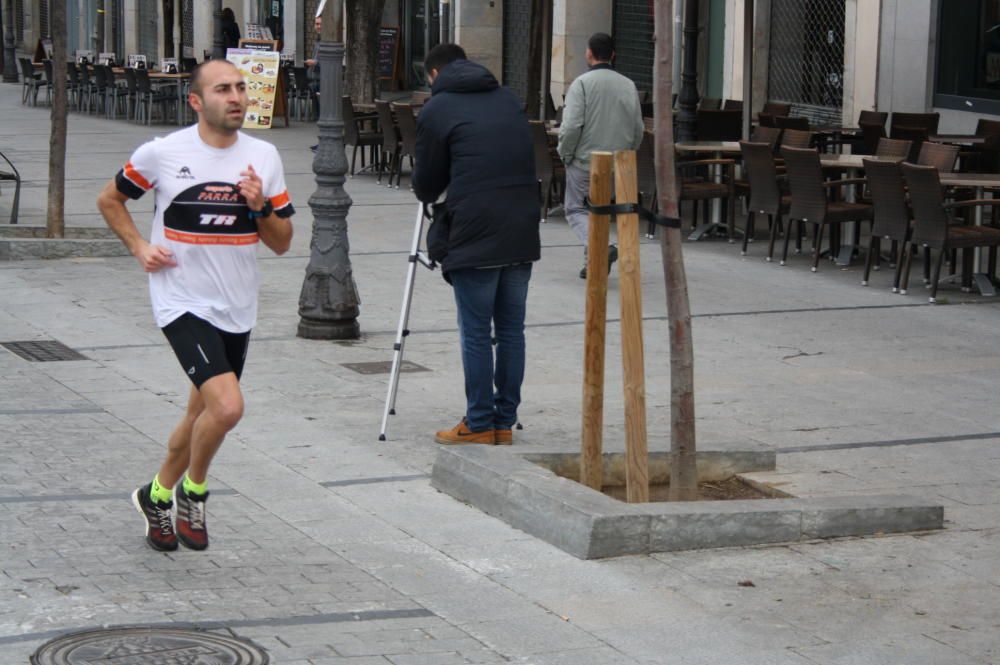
516, 45
632, 22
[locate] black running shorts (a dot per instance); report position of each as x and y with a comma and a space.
205, 351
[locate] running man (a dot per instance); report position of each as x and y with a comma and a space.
218, 193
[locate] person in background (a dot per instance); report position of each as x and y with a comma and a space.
474, 140
601, 113
230, 29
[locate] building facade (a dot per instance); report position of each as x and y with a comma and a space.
829, 58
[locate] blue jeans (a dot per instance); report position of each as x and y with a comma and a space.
492, 296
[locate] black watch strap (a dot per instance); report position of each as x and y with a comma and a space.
265, 211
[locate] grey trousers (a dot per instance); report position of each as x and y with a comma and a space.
578, 187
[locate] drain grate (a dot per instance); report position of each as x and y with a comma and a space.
148, 646
43, 351
384, 367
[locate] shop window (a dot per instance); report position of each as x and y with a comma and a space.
968, 67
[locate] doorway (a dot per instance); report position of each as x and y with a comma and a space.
421, 33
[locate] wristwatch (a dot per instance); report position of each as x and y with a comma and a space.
263, 212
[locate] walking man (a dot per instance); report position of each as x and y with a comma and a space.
601, 113
218, 193
473, 139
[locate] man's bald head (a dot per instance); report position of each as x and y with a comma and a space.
207, 70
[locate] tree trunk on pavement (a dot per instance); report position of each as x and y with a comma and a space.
683, 471
364, 17
55, 220
536, 44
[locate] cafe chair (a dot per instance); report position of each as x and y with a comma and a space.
915, 135
358, 133
406, 122
810, 202
698, 189
892, 217
390, 138
302, 97
796, 138
30, 81
935, 228
896, 149
789, 122
776, 109
645, 164
765, 192
926, 121
939, 155
148, 98
549, 170
709, 104
10, 174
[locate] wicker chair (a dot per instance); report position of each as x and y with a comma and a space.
788, 122
892, 214
871, 134
357, 134
406, 123
390, 138
873, 118
915, 135
892, 149
768, 135
709, 104
939, 155
765, 192
549, 170
810, 203
935, 228
796, 138
733, 105
30, 81
928, 121
776, 109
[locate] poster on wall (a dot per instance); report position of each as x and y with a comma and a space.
260, 70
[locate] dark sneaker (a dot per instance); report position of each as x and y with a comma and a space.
159, 529
612, 257
192, 529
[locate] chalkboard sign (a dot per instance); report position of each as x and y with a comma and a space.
388, 49
259, 44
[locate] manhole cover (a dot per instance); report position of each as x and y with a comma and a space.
148, 646
42, 351
384, 367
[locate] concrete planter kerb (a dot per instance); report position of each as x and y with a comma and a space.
528, 492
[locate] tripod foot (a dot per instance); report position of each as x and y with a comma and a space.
381, 437
392, 412
519, 426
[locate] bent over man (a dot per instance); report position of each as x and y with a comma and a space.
218, 193
473, 139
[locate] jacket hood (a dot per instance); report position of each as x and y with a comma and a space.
464, 76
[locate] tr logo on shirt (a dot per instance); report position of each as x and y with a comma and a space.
217, 220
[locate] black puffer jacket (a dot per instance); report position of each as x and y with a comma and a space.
473, 139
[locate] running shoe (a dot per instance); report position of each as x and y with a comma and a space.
159, 529
192, 529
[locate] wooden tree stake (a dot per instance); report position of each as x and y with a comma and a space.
633, 368
591, 458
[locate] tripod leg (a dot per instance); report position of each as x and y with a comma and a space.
404, 317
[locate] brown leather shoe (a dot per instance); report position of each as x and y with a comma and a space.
504, 437
461, 434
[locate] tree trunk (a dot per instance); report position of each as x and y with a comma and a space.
535, 55
683, 471
168, 29
55, 221
364, 17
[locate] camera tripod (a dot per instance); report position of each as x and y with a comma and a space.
402, 332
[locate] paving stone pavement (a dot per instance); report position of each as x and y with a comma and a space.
331, 548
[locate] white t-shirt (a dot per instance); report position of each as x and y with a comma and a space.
203, 219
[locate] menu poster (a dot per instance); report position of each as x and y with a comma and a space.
257, 31
106, 59
169, 66
84, 56
137, 61
260, 70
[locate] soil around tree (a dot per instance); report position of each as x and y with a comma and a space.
730, 489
